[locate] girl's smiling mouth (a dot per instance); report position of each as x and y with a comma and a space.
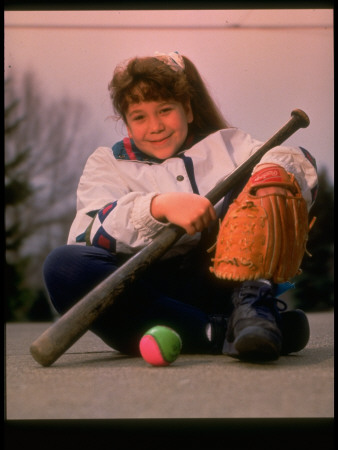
161, 141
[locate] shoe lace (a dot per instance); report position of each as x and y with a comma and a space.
265, 303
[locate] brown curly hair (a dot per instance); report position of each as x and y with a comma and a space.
150, 79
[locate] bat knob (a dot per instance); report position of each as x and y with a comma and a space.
301, 117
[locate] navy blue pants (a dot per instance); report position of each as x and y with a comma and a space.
180, 293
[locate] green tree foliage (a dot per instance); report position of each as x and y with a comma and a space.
43, 160
18, 190
314, 287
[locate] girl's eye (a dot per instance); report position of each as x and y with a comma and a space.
166, 110
135, 118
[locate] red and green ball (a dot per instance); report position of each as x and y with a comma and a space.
160, 346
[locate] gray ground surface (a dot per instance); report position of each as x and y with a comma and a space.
92, 381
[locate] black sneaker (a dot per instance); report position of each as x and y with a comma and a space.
216, 332
295, 330
257, 330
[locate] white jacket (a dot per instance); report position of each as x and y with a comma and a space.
118, 184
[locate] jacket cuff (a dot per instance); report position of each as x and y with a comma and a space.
142, 218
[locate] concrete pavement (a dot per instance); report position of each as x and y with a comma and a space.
92, 381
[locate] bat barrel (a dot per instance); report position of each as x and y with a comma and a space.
60, 336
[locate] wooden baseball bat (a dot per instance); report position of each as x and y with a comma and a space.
47, 348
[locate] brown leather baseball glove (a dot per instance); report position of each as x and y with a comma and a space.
265, 230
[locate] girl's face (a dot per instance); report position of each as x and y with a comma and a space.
158, 128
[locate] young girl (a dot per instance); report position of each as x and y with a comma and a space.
178, 147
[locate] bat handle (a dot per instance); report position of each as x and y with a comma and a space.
299, 119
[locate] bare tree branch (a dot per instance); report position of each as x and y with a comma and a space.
44, 157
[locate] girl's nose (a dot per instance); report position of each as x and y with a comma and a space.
156, 125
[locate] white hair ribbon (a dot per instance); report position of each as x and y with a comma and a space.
173, 59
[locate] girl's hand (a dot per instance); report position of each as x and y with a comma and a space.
190, 211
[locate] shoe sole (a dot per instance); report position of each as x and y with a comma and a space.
257, 344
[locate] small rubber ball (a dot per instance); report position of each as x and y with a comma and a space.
160, 346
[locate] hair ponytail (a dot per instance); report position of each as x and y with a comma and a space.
207, 116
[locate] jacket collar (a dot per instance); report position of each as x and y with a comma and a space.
126, 150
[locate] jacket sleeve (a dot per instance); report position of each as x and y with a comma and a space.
108, 214
295, 160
